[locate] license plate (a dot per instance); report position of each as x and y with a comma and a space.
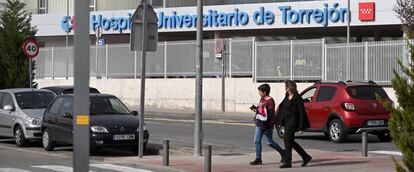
124, 137
376, 123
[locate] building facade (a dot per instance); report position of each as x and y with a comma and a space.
267, 20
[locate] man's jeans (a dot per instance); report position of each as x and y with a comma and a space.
268, 133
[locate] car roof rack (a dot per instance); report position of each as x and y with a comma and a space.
369, 81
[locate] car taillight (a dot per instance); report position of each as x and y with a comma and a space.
348, 106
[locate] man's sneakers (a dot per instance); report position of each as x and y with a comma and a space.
306, 161
257, 161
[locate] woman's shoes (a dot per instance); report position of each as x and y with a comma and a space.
286, 166
306, 161
257, 161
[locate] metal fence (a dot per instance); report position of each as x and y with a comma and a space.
305, 60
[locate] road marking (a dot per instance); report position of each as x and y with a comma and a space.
204, 121
12, 170
58, 168
118, 168
387, 153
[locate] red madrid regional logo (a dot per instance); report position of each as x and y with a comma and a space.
367, 11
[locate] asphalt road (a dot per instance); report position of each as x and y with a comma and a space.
227, 139
238, 137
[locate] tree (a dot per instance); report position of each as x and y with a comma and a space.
15, 28
401, 124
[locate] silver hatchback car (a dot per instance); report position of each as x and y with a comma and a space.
21, 113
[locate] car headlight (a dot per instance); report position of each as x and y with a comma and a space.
99, 129
145, 128
33, 121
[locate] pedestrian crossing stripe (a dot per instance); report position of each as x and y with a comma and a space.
12, 170
60, 168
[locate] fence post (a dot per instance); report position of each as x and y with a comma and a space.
135, 64
366, 61
229, 53
106, 59
165, 59
291, 59
323, 60
166, 155
207, 159
254, 60
53, 62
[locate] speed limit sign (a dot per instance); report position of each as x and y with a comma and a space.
31, 48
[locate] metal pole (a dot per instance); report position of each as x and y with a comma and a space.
364, 143
30, 73
143, 64
223, 83
199, 82
67, 38
348, 37
207, 159
166, 155
81, 105
97, 30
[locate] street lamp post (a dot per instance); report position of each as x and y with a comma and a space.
199, 82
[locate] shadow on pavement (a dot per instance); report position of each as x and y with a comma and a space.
336, 163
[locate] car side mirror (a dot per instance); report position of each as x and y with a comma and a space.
67, 115
8, 108
135, 113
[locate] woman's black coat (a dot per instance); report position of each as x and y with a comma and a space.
300, 118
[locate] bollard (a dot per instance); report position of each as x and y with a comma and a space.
364, 143
207, 158
166, 155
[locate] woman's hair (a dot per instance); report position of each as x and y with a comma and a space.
291, 85
265, 88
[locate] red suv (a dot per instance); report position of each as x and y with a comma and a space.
343, 108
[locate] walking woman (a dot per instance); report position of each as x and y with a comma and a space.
265, 120
292, 116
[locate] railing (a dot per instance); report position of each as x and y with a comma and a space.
304, 60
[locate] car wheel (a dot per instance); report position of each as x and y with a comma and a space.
337, 131
48, 144
384, 137
19, 137
280, 131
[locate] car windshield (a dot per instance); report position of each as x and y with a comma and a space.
107, 105
34, 100
366, 92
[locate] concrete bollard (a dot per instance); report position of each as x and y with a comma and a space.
364, 143
207, 158
166, 155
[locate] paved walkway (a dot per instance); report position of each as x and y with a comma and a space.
322, 161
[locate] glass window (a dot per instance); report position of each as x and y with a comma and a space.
366, 92
107, 105
326, 93
56, 105
7, 100
67, 106
308, 95
42, 6
34, 100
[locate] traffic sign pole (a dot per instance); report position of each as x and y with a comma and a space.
143, 69
30, 73
81, 105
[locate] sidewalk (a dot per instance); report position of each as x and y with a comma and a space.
189, 114
322, 161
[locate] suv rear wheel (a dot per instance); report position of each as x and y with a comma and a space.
337, 132
384, 136
19, 137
